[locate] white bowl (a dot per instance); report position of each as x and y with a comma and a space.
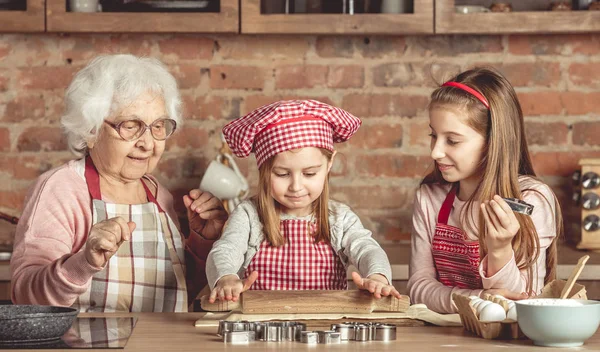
558, 322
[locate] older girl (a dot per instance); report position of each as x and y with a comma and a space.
466, 239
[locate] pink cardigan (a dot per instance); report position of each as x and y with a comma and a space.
423, 284
47, 266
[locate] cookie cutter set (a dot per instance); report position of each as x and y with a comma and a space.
248, 331
519, 206
352, 331
244, 332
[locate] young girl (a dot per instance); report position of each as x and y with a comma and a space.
466, 239
291, 236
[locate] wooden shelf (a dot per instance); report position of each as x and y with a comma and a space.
419, 22
30, 20
447, 21
226, 21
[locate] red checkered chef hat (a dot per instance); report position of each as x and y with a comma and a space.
291, 124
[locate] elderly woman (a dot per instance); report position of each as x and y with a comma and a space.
99, 233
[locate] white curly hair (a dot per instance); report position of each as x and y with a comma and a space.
108, 83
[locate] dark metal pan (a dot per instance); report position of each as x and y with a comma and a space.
27, 324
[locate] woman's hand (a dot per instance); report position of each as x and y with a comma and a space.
229, 287
501, 224
206, 214
105, 239
513, 296
376, 284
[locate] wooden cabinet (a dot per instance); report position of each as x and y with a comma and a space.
225, 21
30, 20
419, 22
244, 16
449, 22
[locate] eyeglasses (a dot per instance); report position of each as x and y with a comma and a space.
133, 129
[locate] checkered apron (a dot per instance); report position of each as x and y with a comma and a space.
456, 258
300, 264
147, 273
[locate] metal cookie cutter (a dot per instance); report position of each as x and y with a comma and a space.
384, 332
519, 206
329, 337
362, 333
310, 337
238, 337
272, 332
233, 326
259, 329
347, 330
292, 330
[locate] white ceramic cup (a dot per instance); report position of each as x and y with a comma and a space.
225, 182
221, 181
470, 9
83, 5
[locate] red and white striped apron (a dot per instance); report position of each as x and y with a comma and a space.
300, 264
147, 273
456, 258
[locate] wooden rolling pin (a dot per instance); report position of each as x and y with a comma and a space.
309, 301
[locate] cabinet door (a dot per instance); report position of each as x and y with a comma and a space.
448, 21
31, 19
255, 20
224, 21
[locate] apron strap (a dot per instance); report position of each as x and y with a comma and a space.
151, 196
447, 206
92, 178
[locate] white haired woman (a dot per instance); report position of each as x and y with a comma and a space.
99, 233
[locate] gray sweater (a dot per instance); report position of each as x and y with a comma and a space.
243, 235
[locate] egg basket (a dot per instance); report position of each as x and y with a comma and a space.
506, 329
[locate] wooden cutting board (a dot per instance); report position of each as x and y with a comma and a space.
308, 301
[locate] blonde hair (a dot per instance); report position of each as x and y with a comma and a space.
268, 209
505, 158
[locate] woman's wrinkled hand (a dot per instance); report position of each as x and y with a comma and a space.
229, 287
376, 284
206, 214
105, 238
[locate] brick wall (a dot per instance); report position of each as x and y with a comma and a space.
384, 80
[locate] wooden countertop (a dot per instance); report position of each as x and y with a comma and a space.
399, 256
176, 332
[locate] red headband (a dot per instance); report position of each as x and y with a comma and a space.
470, 90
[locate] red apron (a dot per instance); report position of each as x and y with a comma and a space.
300, 264
456, 258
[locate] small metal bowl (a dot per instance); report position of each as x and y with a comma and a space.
25, 324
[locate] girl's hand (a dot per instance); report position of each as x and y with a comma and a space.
376, 284
513, 296
501, 224
206, 214
229, 287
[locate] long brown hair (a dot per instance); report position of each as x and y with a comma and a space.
505, 158
268, 209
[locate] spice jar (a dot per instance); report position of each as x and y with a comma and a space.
590, 201
590, 180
